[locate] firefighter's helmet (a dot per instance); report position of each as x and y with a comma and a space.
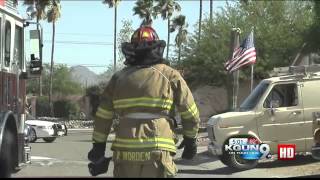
145, 48
144, 33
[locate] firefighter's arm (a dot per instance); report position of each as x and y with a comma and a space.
102, 125
186, 106
104, 116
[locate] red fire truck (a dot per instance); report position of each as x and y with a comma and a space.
14, 72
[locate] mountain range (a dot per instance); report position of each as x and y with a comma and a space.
85, 76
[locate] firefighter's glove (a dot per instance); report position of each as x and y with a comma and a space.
99, 164
190, 147
97, 152
99, 167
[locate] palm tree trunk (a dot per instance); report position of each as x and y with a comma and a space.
179, 55
200, 20
115, 40
51, 68
39, 34
168, 42
211, 10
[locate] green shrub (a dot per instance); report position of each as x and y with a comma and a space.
66, 109
43, 106
94, 93
74, 110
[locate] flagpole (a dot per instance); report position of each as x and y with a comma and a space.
235, 43
242, 55
252, 68
235, 88
252, 65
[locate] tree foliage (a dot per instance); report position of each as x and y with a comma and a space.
111, 3
42, 106
40, 5
311, 37
179, 24
166, 8
53, 11
62, 82
124, 36
279, 28
66, 109
46, 9
146, 10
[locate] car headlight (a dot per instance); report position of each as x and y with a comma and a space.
213, 121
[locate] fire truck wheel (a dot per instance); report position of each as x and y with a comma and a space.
6, 159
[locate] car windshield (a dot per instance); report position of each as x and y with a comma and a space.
251, 101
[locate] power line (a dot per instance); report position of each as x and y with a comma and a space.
97, 66
99, 43
81, 34
85, 65
81, 42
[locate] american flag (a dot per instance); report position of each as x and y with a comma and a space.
243, 55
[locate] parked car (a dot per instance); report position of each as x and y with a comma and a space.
46, 130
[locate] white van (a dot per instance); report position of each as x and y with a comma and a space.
280, 110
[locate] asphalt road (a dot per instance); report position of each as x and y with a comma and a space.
67, 157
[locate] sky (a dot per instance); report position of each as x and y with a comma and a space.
84, 33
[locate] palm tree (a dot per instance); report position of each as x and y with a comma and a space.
111, 4
40, 15
40, 5
166, 9
145, 10
200, 20
179, 23
211, 10
53, 14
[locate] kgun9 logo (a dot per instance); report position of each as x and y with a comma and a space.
248, 148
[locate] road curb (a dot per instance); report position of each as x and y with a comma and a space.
81, 129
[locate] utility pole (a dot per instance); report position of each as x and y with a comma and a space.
200, 20
115, 40
167, 56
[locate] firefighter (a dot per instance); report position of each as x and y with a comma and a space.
143, 97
